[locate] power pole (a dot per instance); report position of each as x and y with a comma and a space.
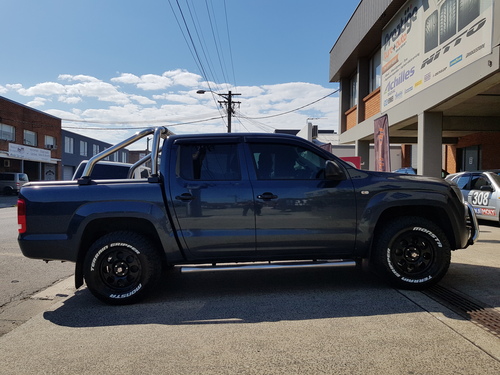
228, 102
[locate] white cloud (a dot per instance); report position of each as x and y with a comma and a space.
37, 102
178, 97
142, 99
85, 102
79, 77
14, 87
70, 99
145, 82
44, 89
127, 78
86, 87
184, 78
150, 82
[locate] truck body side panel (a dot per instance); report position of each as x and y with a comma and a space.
58, 214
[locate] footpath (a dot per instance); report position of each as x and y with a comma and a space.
273, 323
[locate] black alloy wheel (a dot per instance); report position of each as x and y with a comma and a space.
412, 253
121, 267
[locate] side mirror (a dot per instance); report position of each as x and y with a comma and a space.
486, 188
333, 171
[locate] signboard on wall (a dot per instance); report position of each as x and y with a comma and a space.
428, 40
381, 144
28, 153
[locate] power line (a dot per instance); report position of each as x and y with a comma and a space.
213, 28
194, 38
195, 55
229, 43
293, 110
197, 62
237, 114
202, 43
134, 128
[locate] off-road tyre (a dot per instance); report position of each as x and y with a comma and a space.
412, 253
121, 267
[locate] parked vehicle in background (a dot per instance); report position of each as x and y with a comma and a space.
410, 170
482, 190
11, 182
406, 170
104, 170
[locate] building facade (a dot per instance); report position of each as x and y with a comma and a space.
33, 142
77, 148
29, 141
431, 68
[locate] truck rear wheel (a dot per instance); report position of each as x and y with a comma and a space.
121, 267
412, 253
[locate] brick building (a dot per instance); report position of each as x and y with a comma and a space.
30, 141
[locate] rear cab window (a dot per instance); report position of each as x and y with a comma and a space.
208, 162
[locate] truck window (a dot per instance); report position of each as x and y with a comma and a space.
286, 162
208, 162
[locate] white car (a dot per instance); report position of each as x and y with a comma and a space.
482, 190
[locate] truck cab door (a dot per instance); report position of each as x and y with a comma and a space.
299, 212
211, 197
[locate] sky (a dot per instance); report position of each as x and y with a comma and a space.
109, 68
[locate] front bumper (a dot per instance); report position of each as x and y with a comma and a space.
472, 224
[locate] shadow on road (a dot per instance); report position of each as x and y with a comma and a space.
245, 297
242, 297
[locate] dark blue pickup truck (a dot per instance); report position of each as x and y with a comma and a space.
236, 201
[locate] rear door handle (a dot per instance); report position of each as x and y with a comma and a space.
267, 196
185, 197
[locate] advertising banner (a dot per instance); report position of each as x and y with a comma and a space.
429, 40
381, 144
28, 153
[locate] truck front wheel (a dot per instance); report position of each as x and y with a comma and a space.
121, 267
412, 252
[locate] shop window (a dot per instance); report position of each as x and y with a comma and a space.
30, 138
7, 133
375, 71
50, 142
83, 148
353, 91
68, 145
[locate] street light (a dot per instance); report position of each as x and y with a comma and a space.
228, 102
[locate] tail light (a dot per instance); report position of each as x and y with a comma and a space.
21, 215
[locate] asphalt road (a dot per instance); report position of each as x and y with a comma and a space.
339, 321
21, 277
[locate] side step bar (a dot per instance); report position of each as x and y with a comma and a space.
269, 265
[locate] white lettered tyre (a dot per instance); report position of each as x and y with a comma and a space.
412, 252
121, 267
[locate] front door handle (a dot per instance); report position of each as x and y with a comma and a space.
267, 196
